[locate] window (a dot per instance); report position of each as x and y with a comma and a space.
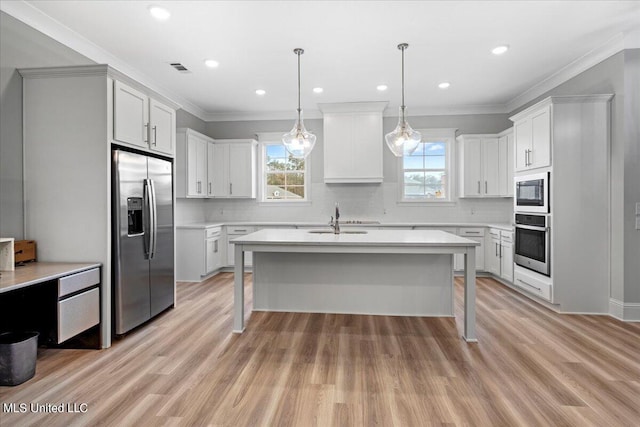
284, 178
426, 173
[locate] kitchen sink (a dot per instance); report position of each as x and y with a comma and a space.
342, 232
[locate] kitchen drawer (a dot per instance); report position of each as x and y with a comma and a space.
495, 233
78, 313
213, 232
77, 282
506, 236
471, 232
232, 229
533, 283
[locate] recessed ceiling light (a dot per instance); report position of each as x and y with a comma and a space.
382, 88
260, 92
444, 85
159, 13
499, 50
317, 90
211, 63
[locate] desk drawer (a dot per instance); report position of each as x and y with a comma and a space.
77, 282
78, 313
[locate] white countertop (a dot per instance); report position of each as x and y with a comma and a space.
203, 225
416, 238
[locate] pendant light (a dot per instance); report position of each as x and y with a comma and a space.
299, 142
403, 140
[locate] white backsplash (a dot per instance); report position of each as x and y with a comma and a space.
376, 202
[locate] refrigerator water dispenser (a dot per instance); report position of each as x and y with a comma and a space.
134, 213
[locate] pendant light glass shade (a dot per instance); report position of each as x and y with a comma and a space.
299, 142
403, 140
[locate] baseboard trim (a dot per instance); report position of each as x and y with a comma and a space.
625, 311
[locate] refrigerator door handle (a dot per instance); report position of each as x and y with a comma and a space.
154, 220
148, 227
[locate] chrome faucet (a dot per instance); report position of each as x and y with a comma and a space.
335, 224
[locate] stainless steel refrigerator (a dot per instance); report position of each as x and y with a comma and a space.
143, 233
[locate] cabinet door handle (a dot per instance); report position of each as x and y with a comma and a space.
500, 245
478, 187
496, 248
485, 188
215, 247
230, 188
209, 188
155, 136
146, 132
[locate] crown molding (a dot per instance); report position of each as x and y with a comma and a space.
50, 27
54, 29
590, 59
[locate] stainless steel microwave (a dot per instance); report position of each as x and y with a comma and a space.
531, 194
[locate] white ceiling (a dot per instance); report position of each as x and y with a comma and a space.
350, 48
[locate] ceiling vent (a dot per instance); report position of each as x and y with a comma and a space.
178, 66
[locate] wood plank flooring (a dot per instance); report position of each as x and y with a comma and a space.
531, 367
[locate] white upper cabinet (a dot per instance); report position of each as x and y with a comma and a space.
142, 121
483, 166
505, 151
192, 164
235, 168
353, 142
162, 130
533, 138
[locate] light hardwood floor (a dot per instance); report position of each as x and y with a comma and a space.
531, 367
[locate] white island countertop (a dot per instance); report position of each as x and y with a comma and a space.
386, 238
324, 242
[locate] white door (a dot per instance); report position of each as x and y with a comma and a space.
492, 256
541, 139
472, 167
505, 164
219, 171
163, 133
507, 261
130, 116
491, 167
196, 166
522, 135
240, 170
211, 167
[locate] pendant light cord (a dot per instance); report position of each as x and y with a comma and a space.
402, 47
299, 52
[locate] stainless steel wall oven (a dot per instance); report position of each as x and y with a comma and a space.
533, 242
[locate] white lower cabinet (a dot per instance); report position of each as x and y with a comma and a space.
499, 254
199, 252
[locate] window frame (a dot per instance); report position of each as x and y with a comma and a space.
448, 136
275, 138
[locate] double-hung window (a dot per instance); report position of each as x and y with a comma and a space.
426, 173
284, 178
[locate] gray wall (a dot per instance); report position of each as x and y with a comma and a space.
185, 119
358, 201
20, 47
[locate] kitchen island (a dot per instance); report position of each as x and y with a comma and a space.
386, 272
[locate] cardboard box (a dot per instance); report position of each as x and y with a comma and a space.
25, 250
